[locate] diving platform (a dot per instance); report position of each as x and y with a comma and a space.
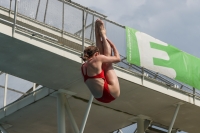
49, 56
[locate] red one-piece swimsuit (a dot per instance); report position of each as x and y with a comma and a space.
106, 97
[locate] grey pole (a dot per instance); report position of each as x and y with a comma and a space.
140, 125
37, 10
86, 114
63, 17
92, 29
71, 118
10, 7
61, 112
174, 118
5, 90
83, 32
46, 11
15, 16
194, 93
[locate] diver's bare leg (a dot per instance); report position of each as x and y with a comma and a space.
102, 31
110, 74
98, 38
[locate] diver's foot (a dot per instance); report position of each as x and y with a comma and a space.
97, 33
101, 27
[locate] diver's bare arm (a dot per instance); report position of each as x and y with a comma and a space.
110, 59
116, 53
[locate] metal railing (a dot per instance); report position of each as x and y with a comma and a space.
70, 17
13, 90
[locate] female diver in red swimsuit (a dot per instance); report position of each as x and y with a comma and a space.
97, 70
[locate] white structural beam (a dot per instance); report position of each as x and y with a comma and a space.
5, 90
86, 114
34, 86
15, 17
61, 112
62, 107
71, 118
174, 117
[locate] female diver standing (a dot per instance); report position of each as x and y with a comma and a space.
97, 70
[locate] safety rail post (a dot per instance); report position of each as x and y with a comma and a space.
46, 11
10, 7
142, 75
194, 93
86, 114
63, 18
92, 29
37, 10
2, 129
5, 90
83, 32
15, 17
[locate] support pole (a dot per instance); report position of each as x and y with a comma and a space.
15, 17
5, 90
174, 118
143, 123
2, 129
140, 125
71, 118
86, 114
61, 112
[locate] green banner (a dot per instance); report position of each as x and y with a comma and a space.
146, 51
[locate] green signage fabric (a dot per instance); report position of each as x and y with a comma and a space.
148, 52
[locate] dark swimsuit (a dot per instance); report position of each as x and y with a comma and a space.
106, 97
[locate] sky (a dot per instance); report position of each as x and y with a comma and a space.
175, 22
